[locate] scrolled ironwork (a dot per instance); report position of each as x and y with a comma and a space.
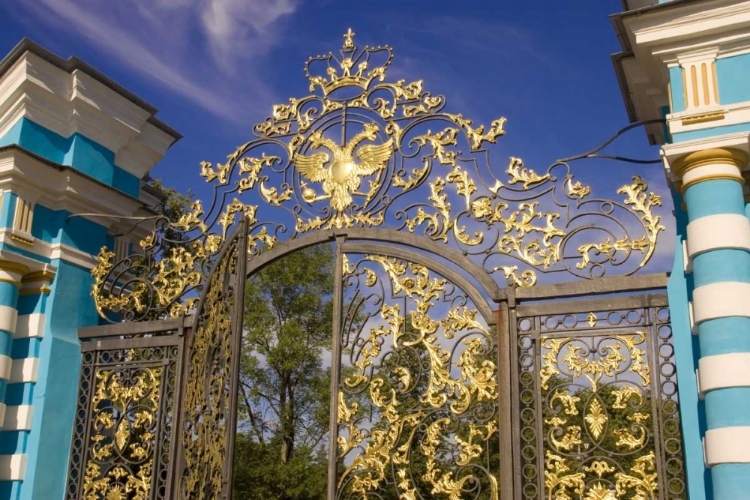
417, 408
210, 394
123, 443
598, 410
362, 150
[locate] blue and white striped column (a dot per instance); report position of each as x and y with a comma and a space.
718, 247
13, 417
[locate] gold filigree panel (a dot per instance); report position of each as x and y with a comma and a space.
122, 435
362, 150
208, 407
599, 413
417, 409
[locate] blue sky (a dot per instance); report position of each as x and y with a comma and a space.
215, 67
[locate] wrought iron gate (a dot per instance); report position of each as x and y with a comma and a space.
491, 387
595, 409
124, 436
207, 411
156, 404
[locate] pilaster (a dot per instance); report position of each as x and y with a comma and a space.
717, 247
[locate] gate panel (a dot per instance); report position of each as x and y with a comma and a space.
212, 370
417, 401
123, 436
597, 396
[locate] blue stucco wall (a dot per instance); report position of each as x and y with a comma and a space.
677, 97
69, 307
733, 74
75, 151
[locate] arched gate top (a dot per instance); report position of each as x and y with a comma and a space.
364, 152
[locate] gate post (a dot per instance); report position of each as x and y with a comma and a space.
687, 63
74, 143
718, 250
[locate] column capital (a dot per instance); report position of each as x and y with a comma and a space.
723, 156
12, 272
37, 282
710, 158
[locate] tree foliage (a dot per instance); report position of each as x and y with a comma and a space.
284, 384
173, 206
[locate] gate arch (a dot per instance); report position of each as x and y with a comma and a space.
380, 167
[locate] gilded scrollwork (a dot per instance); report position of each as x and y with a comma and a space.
122, 428
364, 151
125, 407
422, 377
600, 407
207, 397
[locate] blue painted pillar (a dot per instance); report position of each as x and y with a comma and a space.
13, 417
718, 245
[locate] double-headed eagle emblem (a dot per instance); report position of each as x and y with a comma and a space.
342, 177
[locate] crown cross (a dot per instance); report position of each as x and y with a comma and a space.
349, 39
356, 68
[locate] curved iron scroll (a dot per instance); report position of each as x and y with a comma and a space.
210, 394
363, 151
417, 402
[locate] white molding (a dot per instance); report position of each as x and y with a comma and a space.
18, 418
30, 325
689, 21
32, 264
723, 371
721, 300
727, 445
64, 189
687, 33
52, 251
672, 152
8, 319
24, 370
10, 275
731, 231
687, 262
5, 367
734, 114
712, 170
12, 467
77, 102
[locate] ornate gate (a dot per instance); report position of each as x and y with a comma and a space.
448, 379
156, 407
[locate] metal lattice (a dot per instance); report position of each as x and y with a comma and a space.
454, 385
210, 394
417, 410
597, 400
124, 435
363, 152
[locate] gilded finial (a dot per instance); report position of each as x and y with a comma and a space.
349, 39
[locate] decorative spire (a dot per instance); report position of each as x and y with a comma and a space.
349, 39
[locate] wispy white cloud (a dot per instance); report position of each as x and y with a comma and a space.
191, 47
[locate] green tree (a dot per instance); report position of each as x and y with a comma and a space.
172, 205
284, 385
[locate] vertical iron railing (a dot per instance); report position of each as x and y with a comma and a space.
124, 433
595, 403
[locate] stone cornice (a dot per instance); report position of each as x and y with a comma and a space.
58, 187
75, 101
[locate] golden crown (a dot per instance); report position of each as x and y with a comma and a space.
354, 67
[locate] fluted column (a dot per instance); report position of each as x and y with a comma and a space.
718, 247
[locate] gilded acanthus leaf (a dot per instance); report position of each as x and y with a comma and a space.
596, 418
